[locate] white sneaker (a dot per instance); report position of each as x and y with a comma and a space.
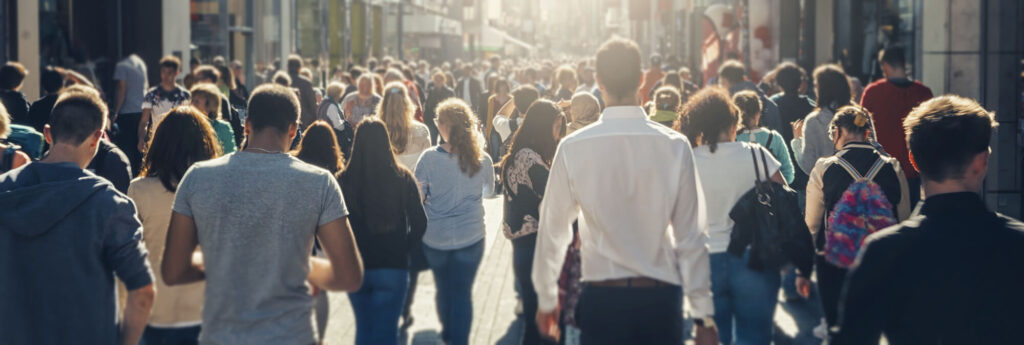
821, 332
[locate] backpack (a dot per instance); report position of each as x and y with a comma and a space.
861, 210
343, 131
31, 142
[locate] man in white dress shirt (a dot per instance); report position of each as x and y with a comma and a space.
633, 186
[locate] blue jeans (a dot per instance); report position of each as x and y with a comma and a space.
170, 336
744, 299
378, 304
454, 272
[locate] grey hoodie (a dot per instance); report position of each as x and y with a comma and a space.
64, 233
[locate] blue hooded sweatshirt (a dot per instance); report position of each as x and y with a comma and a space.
64, 233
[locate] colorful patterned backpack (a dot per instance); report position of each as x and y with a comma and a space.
860, 211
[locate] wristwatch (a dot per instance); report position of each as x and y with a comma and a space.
706, 322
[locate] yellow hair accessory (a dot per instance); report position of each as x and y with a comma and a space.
860, 120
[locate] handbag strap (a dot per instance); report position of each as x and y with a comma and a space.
757, 173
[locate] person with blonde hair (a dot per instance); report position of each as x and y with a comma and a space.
408, 137
206, 98
584, 109
363, 102
10, 156
454, 178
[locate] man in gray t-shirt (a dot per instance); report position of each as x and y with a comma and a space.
254, 214
130, 75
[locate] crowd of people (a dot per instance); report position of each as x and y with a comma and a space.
226, 214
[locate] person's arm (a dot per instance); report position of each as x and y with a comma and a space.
136, 314
866, 301
122, 91
689, 225
178, 266
147, 115
557, 212
343, 269
487, 168
815, 203
780, 151
414, 213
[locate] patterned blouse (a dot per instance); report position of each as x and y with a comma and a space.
524, 189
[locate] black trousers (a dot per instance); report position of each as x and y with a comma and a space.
624, 315
830, 285
127, 139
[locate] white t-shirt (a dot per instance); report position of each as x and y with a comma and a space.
725, 176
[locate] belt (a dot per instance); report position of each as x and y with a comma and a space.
638, 282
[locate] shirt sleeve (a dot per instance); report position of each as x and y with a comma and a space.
182, 204
333, 205
689, 228
120, 72
502, 126
780, 152
557, 211
815, 214
123, 248
798, 154
815, 137
422, 175
148, 100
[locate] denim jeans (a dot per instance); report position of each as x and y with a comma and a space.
378, 304
454, 273
522, 267
170, 336
744, 299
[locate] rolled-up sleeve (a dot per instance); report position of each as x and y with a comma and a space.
689, 226
123, 247
557, 212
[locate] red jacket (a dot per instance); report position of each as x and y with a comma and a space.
890, 101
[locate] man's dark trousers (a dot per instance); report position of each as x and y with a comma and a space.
630, 315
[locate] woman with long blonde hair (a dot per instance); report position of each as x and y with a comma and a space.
454, 178
408, 137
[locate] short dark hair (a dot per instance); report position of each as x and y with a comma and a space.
749, 104
618, 67
282, 78
273, 105
184, 136
76, 116
945, 133
732, 71
893, 56
523, 96
710, 113
171, 61
195, 61
207, 72
51, 79
789, 76
655, 60
294, 64
12, 74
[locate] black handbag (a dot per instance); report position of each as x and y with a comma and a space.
769, 223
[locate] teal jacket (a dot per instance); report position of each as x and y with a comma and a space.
777, 148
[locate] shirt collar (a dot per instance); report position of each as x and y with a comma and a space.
951, 203
624, 112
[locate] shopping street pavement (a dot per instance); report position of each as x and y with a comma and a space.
494, 297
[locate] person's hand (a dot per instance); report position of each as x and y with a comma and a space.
563, 104
803, 287
313, 289
798, 129
547, 324
706, 336
142, 145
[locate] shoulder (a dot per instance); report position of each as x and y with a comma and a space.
143, 185
877, 84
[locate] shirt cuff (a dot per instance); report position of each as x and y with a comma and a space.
701, 306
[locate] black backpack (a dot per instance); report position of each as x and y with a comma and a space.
345, 134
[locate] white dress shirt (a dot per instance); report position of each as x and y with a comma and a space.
627, 179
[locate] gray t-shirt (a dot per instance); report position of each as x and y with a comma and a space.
256, 216
133, 71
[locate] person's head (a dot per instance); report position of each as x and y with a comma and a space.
335, 90
294, 64
227, 78
364, 85
948, 138
52, 80
749, 104
355, 72
372, 155
183, 137
207, 74
712, 117
523, 97
449, 79
393, 75
495, 62
618, 71
732, 72
567, 77
236, 66
667, 98
540, 131
438, 79
274, 111
194, 63
684, 74
655, 62
219, 60
501, 87
832, 87
371, 63
282, 78
306, 73
319, 147
530, 75
672, 79
76, 124
587, 76
851, 123
789, 76
457, 125
584, 109
893, 61
170, 65
397, 110
206, 98
378, 83
12, 75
